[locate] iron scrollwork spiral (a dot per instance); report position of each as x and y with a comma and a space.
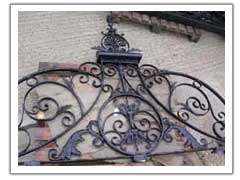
133, 119
127, 122
199, 106
189, 99
48, 106
134, 128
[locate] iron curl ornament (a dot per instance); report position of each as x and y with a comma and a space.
140, 108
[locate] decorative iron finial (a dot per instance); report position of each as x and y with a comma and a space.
115, 48
110, 20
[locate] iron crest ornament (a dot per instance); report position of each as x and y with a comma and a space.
137, 108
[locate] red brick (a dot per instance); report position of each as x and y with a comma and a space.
195, 38
41, 124
155, 25
190, 30
116, 16
87, 156
173, 26
51, 145
42, 133
146, 19
136, 17
49, 65
196, 35
164, 24
198, 32
42, 154
116, 20
126, 15
154, 21
55, 75
182, 28
116, 13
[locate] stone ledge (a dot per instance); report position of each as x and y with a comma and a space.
158, 24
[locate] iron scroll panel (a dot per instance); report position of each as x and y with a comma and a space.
134, 119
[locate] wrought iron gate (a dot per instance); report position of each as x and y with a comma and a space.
140, 107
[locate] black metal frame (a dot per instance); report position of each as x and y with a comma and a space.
146, 120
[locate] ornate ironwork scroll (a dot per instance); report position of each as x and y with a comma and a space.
139, 108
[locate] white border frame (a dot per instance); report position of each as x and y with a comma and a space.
121, 169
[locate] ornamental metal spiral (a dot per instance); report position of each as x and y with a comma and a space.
132, 120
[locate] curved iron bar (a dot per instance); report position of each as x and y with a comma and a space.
201, 83
46, 108
168, 110
200, 105
167, 72
74, 124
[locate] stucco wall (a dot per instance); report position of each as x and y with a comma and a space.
68, 37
